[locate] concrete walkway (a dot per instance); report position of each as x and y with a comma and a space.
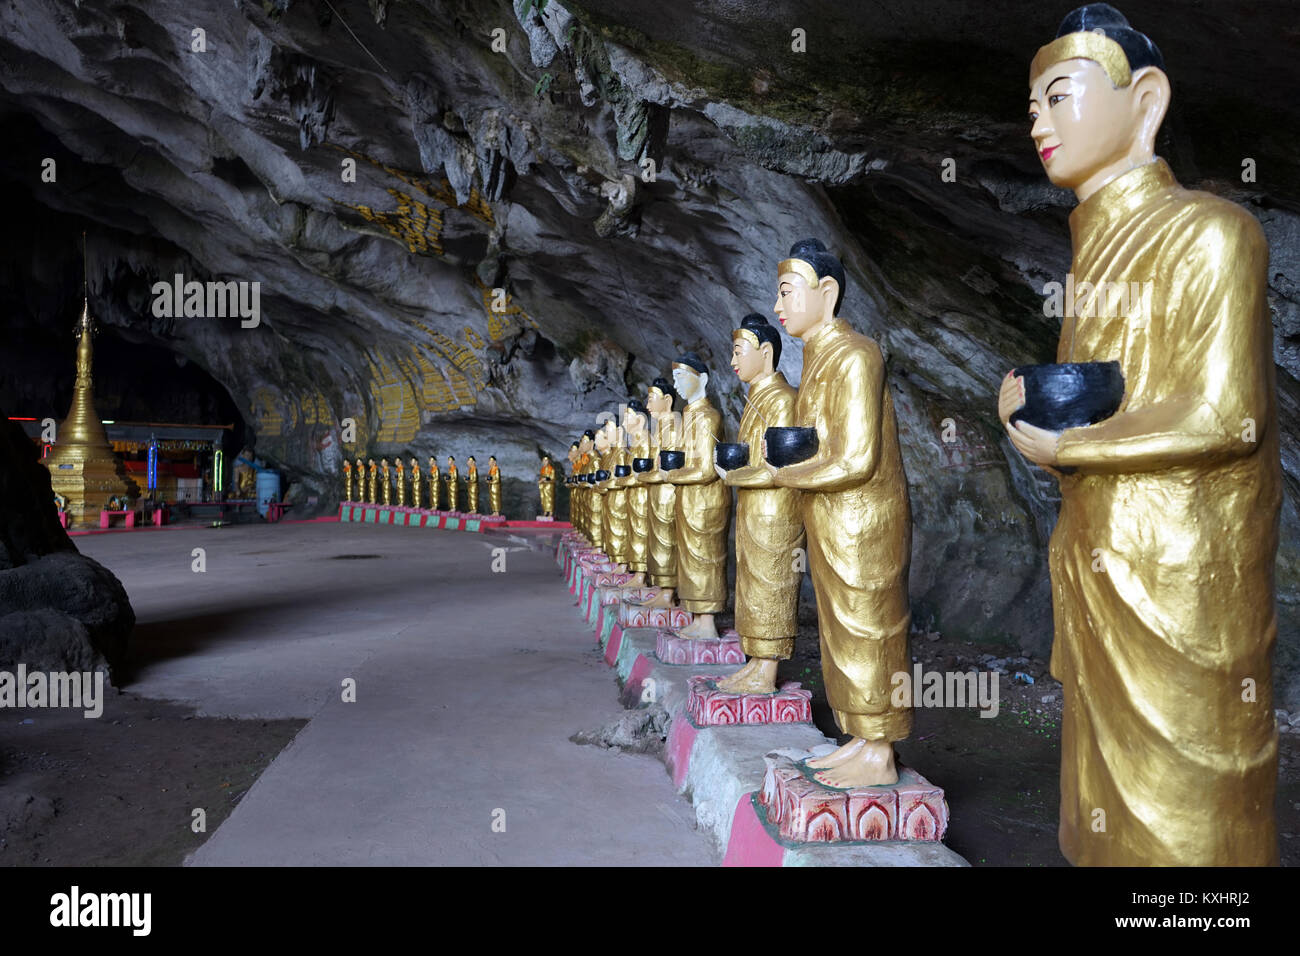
468, 686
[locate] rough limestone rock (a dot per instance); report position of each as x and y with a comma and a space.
626, 176
59, 610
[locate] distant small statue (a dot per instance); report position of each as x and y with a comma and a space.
546, 484
471, 486
494, 486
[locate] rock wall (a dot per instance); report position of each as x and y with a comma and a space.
627, 177
59, 610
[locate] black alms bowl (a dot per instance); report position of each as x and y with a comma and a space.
602, 475
640, 465
1070, 395
668, 460
790, 445
731, 454
622, 471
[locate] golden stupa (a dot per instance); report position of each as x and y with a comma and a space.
83, 467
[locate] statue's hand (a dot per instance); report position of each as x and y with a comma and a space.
722, 472
1011, 398
1036, 444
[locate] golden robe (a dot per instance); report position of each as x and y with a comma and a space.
471, 490
857, 515
347, 481
769, 527
607, 531
546, 489
372, 485
1162, 560
619, 541
596, 507
494, 490
416, 498
703, 513
661, 545
453, 488
638, 508
400, 479
386, 489
435, 486
581, 498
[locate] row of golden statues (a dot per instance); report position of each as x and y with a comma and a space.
1162, 561
378, 483
819, 484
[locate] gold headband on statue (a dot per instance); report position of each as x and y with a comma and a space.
1085, 45
747, 335
799, 268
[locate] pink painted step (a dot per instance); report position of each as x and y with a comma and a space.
725, 649
707, 706
805, 811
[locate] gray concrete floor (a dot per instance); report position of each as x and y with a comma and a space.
468, 686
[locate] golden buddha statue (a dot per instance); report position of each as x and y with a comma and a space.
494, 486
435, 485
615, 506
386, 487
347, 480
453, 484
359, 473
245, 475
661, 541
546, 484
703, 504
587, 465
400, 477
769, 523
1162, 560
857, 515
416, 497
596, 499
471, 486
637, 434
372, 482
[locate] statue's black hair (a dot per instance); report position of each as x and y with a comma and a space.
824, 264
665, 386
764, 331
1103, 18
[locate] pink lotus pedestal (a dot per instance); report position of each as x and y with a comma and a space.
707, 706
805, 811
673, 649
612, 579
638, 594
633, 615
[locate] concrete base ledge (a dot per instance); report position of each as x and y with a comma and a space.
719, 768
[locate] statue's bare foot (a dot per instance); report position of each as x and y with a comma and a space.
663, 597
837, 756
872, 765
700, 629
756, 677
636, 581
